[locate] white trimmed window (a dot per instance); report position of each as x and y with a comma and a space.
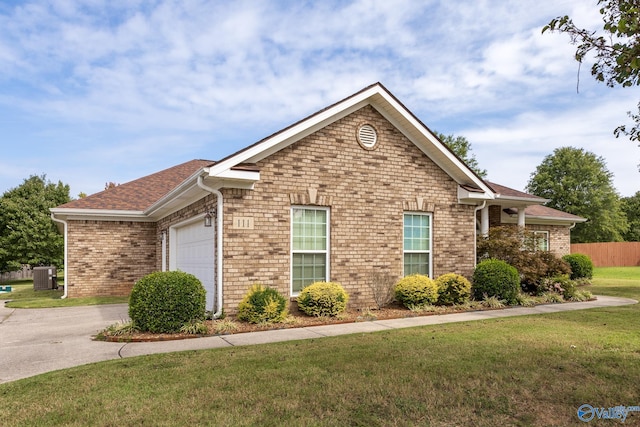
309, 247
542, 240
417, 244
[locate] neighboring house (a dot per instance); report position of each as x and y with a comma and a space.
361, 187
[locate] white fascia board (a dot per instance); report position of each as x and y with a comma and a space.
296, 132
418, 137
239, 175
521, 200
100, 215
235, 183
557, 219
384, 103
472, 196
543, 220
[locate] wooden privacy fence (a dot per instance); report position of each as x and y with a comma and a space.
25, 273
611, 254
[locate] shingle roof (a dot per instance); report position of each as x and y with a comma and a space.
547, 212
510, 192
141, 193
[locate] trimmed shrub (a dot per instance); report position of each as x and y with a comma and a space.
163, 302
495, 278
323, 299
416, 290
453, 289
262, 304
581, 266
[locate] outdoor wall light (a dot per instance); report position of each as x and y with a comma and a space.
207, 219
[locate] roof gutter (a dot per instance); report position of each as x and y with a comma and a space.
66, 233
219, 255
101, 214
526, 200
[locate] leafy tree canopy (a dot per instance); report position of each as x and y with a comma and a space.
462, 148
631, 206
27, 233
616, 48
578, 182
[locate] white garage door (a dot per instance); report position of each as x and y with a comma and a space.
194, 253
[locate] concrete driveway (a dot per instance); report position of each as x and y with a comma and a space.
34, 341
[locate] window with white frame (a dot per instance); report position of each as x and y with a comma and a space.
309, 246
542, 240
417, 244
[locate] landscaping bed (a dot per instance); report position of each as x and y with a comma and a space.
296, 319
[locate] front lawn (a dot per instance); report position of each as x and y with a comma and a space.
534, 370
23, 295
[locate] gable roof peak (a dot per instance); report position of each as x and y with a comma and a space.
385, 103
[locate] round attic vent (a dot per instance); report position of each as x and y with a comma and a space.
367, 136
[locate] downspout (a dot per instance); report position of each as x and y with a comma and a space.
570, 228
475, 232
219, 223
66, 271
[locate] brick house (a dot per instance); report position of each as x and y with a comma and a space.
362, 186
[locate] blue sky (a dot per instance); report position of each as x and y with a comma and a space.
93, 91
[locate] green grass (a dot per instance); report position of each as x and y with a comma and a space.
23, 295
534, 370
630, 273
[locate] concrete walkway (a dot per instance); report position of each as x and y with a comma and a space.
35, 341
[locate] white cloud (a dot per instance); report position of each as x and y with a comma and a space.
212, 77
511, 151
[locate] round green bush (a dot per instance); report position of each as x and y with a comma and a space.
262, 304
495, 278
163, 302
453, 289
581, 266
416, 290
323, 299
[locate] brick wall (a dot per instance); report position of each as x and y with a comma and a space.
108, 257
559, 238
367, 192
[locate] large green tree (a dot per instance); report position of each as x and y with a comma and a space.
578, 182
462, 148
615, 49
631, 206
28, 235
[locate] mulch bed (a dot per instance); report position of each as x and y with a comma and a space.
296, 320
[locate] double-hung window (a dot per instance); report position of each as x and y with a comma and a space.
309, 247
541, 240
417, 244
